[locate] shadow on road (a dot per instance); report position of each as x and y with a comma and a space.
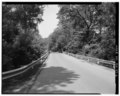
18, 82
52, 77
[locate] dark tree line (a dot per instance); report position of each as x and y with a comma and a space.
21, 42
87, 29
83, 29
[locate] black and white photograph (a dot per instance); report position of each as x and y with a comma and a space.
60, 48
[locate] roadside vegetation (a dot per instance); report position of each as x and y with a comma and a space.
21, 42
86, 29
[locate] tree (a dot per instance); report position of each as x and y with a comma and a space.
20, 38
87, 25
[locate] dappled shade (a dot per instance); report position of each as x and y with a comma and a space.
53, 76
20, 83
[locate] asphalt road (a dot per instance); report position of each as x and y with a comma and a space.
66, 74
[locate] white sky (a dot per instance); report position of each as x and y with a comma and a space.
50, 22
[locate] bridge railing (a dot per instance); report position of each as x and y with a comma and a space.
110, 64
19, 71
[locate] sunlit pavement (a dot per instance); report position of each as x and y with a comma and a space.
66, 74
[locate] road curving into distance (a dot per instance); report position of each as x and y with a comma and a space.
66, 74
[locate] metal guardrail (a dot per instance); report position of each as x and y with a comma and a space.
94, 60
18, 71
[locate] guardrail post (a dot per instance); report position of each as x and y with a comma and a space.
18, 71
113, 66
98, 62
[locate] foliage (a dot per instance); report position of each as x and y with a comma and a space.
21, 42
87, 29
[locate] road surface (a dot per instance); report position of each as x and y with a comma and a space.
66, 74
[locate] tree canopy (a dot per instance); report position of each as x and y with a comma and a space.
87, 29
21, 42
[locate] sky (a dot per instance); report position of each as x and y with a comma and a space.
50, 22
